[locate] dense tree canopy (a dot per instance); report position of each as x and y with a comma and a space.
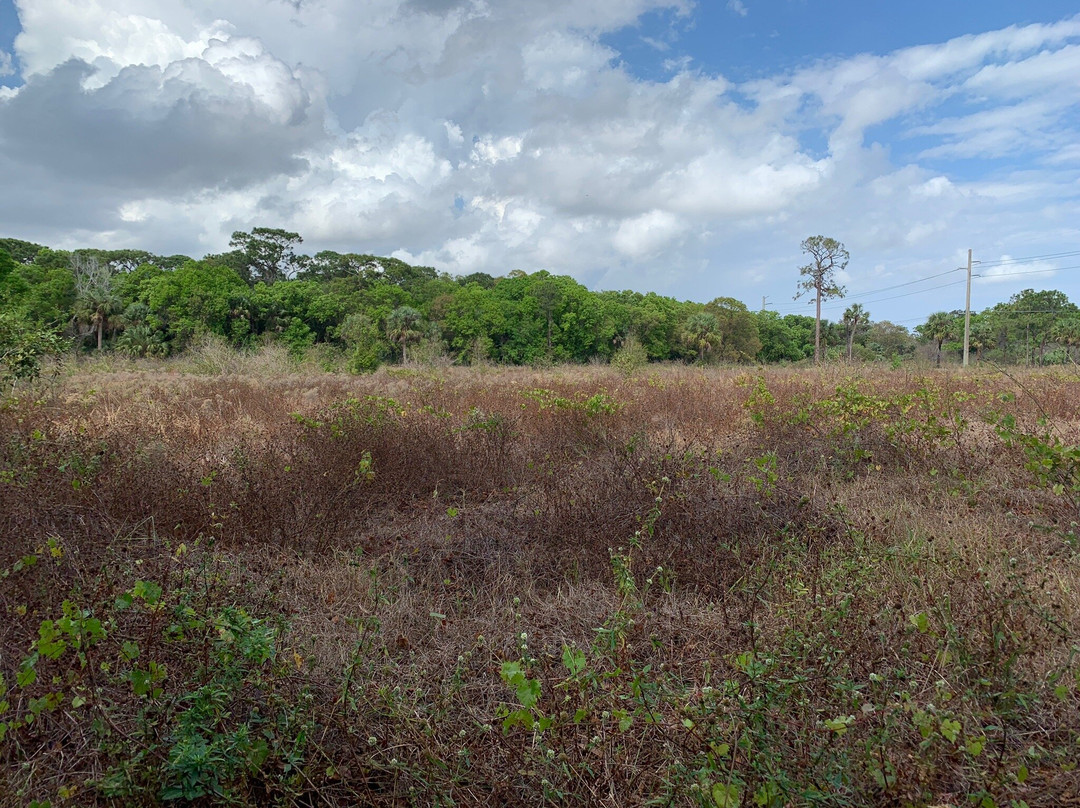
379, 309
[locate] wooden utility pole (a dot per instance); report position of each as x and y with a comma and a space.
967, 313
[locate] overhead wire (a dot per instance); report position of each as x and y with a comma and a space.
837, 307
1004, 262
1025, 272
1047, 257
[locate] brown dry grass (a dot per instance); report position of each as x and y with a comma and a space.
791, 525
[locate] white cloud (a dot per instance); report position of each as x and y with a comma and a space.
6, 67
1005, 270
647, 234
561, 62
738, 6
491, 135
490, 150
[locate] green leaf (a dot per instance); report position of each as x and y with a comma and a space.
950, 729
528, 693
726, 795
140, 682
920, 621
840, 724
573, 660
50, 645
721, 750
27, 674
148, 591
511, 673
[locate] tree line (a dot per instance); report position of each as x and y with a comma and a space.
379, 309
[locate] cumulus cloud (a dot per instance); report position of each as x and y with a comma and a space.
491, 135
193, 125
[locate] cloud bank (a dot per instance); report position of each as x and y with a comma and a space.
489, 136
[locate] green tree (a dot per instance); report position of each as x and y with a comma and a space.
937, 328
548, 296
982, 336
656, 320
404, 327
12, 285
854, 316
781, 341
739, 337
133, 286
22, 252
473, 321
1067, 333
200, 296
141, 340
268, 254
1034, 315
23, 346
96, 303
889, 340
701, 333
45, 291
361, 337
827, 257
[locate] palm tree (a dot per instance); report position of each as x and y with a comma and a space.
701, 332
1067, 332
982, 336
855, 316
937, 328
403, 326
141, 340
100, 308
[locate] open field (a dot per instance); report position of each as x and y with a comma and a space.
518, 587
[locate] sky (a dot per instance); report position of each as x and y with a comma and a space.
681, 147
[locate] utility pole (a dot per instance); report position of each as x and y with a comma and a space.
763, 302
967, 312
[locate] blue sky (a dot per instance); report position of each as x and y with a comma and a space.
658, 145
768, 36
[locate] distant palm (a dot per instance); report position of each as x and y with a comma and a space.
99, 307
403, 327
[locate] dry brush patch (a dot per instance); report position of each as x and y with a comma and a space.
528, 587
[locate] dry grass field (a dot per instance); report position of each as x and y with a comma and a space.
517, 587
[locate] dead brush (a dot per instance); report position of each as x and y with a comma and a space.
534, 587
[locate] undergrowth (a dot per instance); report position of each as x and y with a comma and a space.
520, 587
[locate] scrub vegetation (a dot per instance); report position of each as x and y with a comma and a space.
357, 312
611, 585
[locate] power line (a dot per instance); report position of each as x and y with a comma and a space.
899, 285
909, 294
1005, 262
896, 297
794, 309
1047, 257
1025, 272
